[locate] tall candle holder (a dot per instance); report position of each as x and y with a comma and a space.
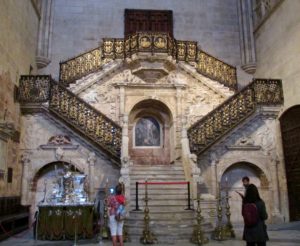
219, 232
147, 237
104, 229
198, 235
229, 232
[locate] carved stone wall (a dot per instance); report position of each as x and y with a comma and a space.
42, 154
250, 151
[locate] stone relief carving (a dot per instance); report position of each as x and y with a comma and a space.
265, 137
59, 140
59, 154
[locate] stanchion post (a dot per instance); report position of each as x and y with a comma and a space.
189, 196
137, 197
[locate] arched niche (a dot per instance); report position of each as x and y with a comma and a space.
151, 133
231, 183
290, 132
44, 180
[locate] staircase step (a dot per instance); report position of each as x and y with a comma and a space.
156, 167
187, 214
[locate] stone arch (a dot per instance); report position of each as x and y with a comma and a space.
254, 163
160, 112
290, 132
41, 181
143, 99
231, 182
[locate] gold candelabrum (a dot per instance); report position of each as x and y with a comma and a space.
126, 237
104, 229
219, 232
198, 235
229, 232
147, 237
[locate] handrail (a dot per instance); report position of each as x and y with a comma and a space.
151, 42
232, 112
137, 208
73, 111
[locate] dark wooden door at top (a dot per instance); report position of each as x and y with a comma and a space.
290, 130
137, 20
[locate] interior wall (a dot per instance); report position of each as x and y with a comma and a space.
80, 25
18, 40
277, 48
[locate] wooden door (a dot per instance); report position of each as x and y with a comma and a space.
290, 127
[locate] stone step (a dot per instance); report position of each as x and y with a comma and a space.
159, 186
156, 167
168, 234
162, 208
186, 214
171, 176
162, 202
159, 192
160, 197
151, 172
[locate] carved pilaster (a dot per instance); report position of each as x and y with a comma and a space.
125, 178
44, 35
25, 160
91, 161
125, 138
214, 161
247, 43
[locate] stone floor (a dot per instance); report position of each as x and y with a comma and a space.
280, 235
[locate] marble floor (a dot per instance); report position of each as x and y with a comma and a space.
287, 234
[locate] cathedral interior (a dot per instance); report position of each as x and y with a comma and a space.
176, 100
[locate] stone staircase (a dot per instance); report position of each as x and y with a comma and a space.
170, 221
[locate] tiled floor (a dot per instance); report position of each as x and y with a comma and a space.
280, 235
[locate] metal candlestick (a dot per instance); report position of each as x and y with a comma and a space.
126, 237
104, 229
219, 232
147, 237
229, 232
198, 235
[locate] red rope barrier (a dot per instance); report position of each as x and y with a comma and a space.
159, 183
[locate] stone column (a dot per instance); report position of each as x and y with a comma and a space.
91, 161
44, 35
179, 119
247, 42
125, 138
25, 182
214, 180
276, 215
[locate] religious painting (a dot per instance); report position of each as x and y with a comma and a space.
147, 132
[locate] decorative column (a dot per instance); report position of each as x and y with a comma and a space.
125, 138
214, 181
276, 204
91, 161
180, 119
247, 42
25, 186
44, 35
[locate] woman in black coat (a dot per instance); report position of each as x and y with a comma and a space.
257, 233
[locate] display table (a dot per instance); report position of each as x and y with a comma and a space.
57, 222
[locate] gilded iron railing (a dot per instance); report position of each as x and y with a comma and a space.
73, 111
232, 112
151, 42
81, 65
216, 69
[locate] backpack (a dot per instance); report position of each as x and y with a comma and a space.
250, 214
121, 213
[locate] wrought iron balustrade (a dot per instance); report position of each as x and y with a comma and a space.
72, 110
151, 42
216, 69
81, 65
232, 112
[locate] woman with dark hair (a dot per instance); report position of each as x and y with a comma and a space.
115, 203
255, 214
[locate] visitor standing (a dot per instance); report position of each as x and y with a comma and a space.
254, 214
116, 204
